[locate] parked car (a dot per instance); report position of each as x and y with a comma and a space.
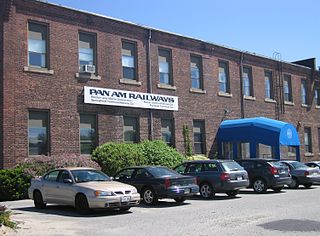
264, 174
302, 174
83, 188
156, 182
313, 164
216, 176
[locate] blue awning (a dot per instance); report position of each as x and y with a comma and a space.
260, 130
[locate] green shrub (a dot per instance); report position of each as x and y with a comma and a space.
5, 218
14, 184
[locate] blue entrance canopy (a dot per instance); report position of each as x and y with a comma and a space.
258, 130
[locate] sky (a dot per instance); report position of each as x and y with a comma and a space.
289, 27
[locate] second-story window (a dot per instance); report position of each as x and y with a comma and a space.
165, 66
304, 94
268, 84
287, 88
37, 45
224, 84
247, 81
196, 72
87, 49
317, 95
129, 60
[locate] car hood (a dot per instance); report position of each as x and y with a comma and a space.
105, 185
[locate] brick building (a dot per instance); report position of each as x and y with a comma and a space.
50, 54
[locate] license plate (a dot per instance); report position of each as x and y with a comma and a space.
239, 178
187, 190
125, 199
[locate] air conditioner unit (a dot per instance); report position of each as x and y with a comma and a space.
88, 69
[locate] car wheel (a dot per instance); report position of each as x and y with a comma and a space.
232, 193
149, 196
38, 200
307, 185
124, 208
294, 183
180, 199
277, 189
206, 191
81, 204
260, 186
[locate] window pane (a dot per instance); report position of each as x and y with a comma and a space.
247, 82
303, 92
196, 72
37, 44
130, 125
223, 77
166, 131
307, 139
287, 88
38, 133
198, 137
164, 78
268, 85
86, 49
128, 60
87, 133
164, 67
128, 73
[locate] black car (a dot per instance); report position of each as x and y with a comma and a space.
302, 174
216, 176
155, 182
264, 174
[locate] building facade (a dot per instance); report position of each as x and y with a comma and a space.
51, 54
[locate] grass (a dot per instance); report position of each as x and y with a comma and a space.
5, 218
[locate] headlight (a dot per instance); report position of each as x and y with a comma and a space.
100, 193
134, 190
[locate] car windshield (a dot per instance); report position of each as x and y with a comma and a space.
298, 165
81, 176
162, 171
231, 166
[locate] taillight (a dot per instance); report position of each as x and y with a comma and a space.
273, 170
167, 182
306, 173
224, 176
197, 180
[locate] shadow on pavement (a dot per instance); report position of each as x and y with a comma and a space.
270, 191
223, 197
164, 204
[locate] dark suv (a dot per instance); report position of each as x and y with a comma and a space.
216, 176
264, 174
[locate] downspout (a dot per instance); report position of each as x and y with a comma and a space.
241, 87
149, 83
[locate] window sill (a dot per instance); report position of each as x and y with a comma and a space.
305, 105
223, 94
195, 90
38, 70
249, 98
130, 82
166, 86
308, 154
288, 103
269, 100
88, 76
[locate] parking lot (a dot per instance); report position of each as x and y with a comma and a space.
291, 212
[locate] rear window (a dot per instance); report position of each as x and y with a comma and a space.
298, 165
231, 166
162, 171
276, 163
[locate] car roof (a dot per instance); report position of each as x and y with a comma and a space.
208, 161
258, 159
75, 168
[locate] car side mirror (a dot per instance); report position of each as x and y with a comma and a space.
67, 181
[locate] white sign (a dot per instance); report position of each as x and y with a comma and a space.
115, 97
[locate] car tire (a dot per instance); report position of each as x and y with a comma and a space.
38, 200
81, 204
277, 189
207, 191
260, 186
294, 183
124, 208
233, 193
307, 185
149, 196
179, 199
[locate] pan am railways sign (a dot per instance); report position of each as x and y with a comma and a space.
114, 97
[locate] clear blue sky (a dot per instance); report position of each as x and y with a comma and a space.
291, 27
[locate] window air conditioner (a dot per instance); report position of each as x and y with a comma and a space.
88, 69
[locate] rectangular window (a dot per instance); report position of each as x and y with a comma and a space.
130, 129
37, 45
307, 140
224, 82
319, 139
129, 60
268, 82
87, 49
304, 94
196, 72
198, 137
287, 89
38, 132
227, 150
167, 131
165, 66
247, 81
243, 151
317, 95
88, 133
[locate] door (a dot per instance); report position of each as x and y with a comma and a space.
65, 191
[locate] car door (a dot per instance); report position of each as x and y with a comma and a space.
65, 191
194, 169
124, 176
140, 178
249, 167
49, 186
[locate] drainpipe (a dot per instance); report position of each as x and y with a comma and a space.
149, 83
241, 87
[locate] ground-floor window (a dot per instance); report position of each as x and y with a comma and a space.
227, 150
130, 129
167, 131
307, 140
243, 151
38, 132
265, 151
198, 137
88, 133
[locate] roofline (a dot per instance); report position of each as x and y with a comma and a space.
169, 32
